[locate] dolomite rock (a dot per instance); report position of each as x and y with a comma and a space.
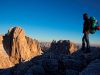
15, 47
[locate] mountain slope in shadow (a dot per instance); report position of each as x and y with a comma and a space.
58, 61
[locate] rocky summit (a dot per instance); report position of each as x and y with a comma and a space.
15, 47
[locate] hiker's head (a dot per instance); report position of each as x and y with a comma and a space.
85, 16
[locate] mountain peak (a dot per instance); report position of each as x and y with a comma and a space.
18, 47
16, 31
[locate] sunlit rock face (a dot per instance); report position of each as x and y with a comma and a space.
15, 47
4, 58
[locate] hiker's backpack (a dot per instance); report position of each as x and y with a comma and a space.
93, 23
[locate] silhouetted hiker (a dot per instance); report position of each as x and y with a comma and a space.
86, 29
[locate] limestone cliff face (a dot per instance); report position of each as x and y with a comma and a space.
17, 47
34, 46
4, 58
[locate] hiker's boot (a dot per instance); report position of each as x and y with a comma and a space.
87, 50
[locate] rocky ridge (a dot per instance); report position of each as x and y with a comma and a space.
59, 63
61, 58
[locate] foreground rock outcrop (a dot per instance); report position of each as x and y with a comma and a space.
15, 47
4, 58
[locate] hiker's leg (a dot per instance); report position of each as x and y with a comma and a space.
87, 42
83, 42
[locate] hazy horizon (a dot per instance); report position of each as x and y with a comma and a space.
47, 20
